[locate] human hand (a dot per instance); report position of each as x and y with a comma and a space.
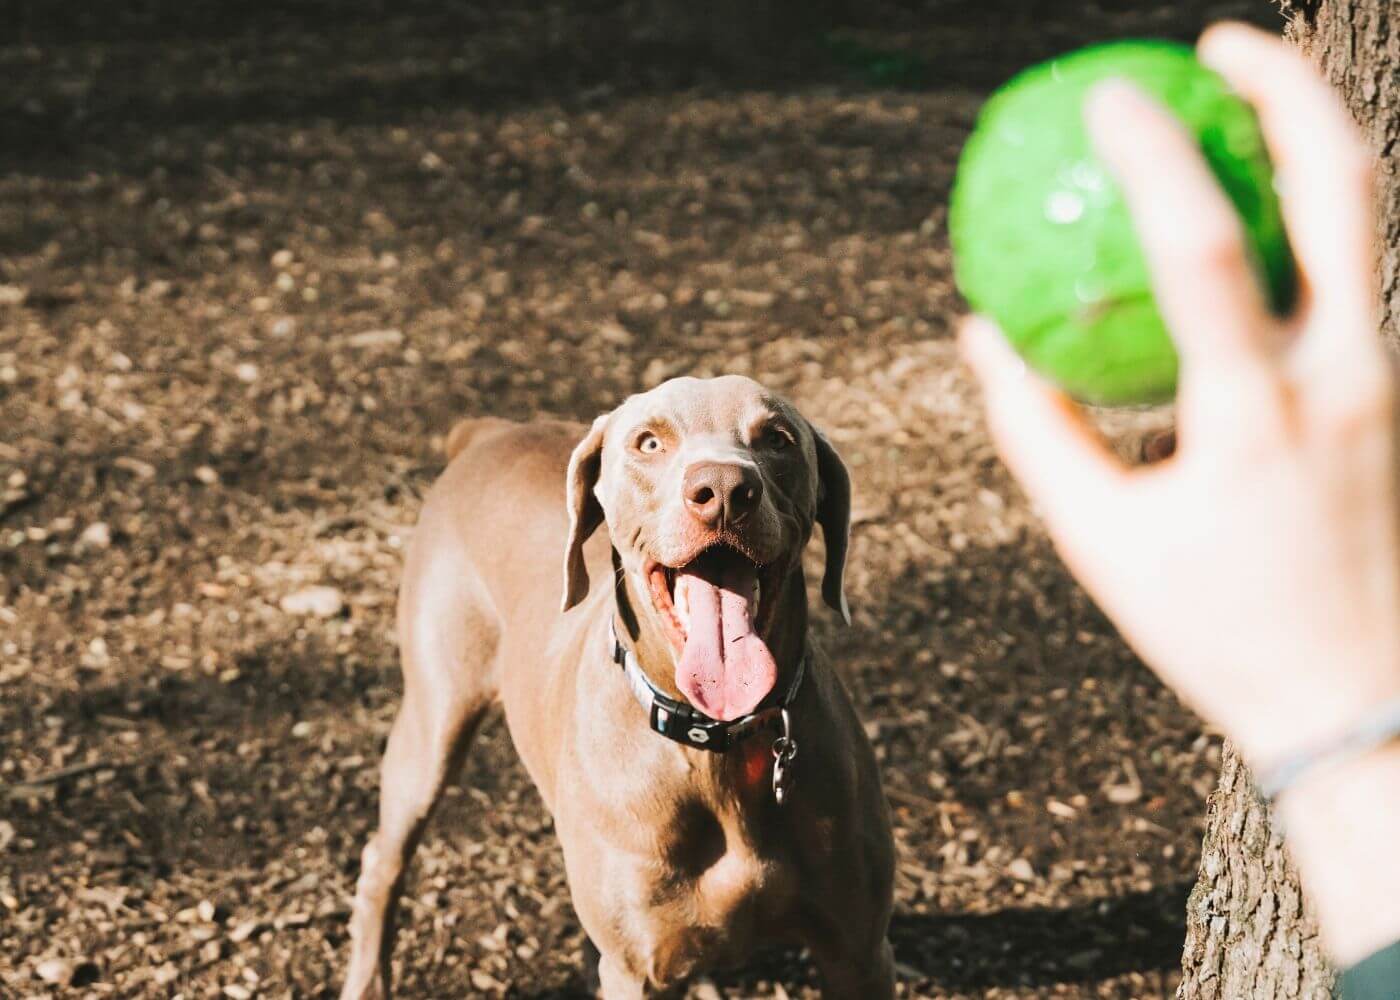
1258, 568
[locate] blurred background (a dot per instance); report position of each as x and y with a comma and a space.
254, 260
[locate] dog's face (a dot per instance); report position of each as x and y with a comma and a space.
710, 489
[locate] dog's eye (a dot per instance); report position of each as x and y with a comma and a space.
776, 439
648, 443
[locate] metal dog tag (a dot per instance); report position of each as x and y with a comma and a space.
784, 750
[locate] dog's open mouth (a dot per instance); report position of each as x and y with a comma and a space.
709, 608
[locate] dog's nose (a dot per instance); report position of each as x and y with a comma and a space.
720, 493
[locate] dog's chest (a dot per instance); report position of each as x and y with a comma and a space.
718, 891
720, 857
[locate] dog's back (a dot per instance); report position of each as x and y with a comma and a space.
499, 505
481, 583
464, 432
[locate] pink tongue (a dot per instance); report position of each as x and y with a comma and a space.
725, 669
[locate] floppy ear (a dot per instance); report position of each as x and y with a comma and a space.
585, 513
834, 515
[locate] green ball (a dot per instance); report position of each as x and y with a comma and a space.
1043, 241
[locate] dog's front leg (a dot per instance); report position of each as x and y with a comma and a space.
866, 977
617, 982
426, 746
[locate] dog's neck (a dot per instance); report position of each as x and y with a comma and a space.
786, 637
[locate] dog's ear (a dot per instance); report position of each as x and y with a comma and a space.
834, 515
585, 513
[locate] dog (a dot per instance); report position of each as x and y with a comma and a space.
711, 785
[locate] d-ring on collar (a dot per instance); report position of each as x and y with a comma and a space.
678, 721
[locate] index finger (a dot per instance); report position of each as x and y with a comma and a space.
1203, 276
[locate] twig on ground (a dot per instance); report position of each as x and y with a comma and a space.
29, 786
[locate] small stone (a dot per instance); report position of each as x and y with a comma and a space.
318, 602
1021, 870
206, 910
235, 992
58, 971
246, 372
282, 259
377, 338
484, 981
1122, 795
752, 299
206, 475
244, 931
302, 730
13, 295
615, 333
96, 535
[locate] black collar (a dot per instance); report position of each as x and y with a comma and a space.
679, 721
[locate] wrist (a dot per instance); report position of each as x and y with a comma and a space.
1309, 718
1373, 730
1343, 825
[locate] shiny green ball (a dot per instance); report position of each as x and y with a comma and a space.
1043, 241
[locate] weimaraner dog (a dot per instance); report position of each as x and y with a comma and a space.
661, 713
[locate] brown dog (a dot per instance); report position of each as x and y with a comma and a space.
661, 713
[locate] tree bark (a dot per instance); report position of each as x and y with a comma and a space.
1356, 43
1249, 930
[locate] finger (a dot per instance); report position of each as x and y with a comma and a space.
1325, 172
1205, 282
1041, 435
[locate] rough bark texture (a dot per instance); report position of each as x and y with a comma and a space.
1248, 929
1357, 44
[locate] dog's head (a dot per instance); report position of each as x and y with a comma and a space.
710, 489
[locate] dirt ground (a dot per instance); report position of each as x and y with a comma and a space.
255, 258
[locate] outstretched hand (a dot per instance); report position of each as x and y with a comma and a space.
1258, 568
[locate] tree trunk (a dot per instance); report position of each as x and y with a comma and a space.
1356, 43
1249, 932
